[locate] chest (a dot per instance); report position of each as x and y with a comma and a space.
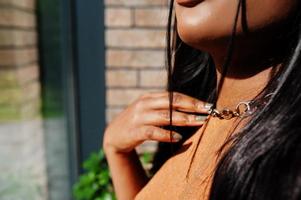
188, 174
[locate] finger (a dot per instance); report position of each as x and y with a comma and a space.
180, 102
155, 94
158, 134
162, 117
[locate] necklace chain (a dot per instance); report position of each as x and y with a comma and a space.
243, 109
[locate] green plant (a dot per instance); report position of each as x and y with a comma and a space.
146, 159
95, 183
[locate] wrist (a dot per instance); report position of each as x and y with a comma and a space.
112, 150
108, 148
107, 145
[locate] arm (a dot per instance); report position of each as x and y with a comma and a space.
140, 121
127, 173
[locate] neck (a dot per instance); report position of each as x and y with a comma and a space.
234, 90
247, 75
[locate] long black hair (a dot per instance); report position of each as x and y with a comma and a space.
264, 159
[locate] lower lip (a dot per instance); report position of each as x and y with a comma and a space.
189, 3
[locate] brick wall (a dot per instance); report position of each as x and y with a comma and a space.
135, 40
135, 43
21, 131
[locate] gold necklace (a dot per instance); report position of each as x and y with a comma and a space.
243, 109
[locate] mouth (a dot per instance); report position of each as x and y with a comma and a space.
188, 3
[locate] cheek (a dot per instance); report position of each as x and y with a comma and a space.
268, 13
212, 21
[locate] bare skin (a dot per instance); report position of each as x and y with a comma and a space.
199, 25
172, 175
140, 122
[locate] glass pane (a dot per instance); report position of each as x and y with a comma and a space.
53, 96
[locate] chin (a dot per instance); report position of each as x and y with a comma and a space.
204, 39
208, 24
201, 26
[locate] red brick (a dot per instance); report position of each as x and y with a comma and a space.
135, 59
121, 78
8, 79
18, 18
118, 17
121, 97
153, 78
17, 56
17, 38
29, 4
151, 17
136, 38
28, 74
136, 2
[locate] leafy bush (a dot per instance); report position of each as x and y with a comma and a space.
95, 183
146, 159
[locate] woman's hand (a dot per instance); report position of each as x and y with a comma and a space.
142, 119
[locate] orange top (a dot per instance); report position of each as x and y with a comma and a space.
171, 182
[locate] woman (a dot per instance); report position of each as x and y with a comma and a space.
238, 63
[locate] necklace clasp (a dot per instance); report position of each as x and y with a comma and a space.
243, 109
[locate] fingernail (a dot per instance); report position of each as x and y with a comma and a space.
200, 117
176, 136
208, 106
